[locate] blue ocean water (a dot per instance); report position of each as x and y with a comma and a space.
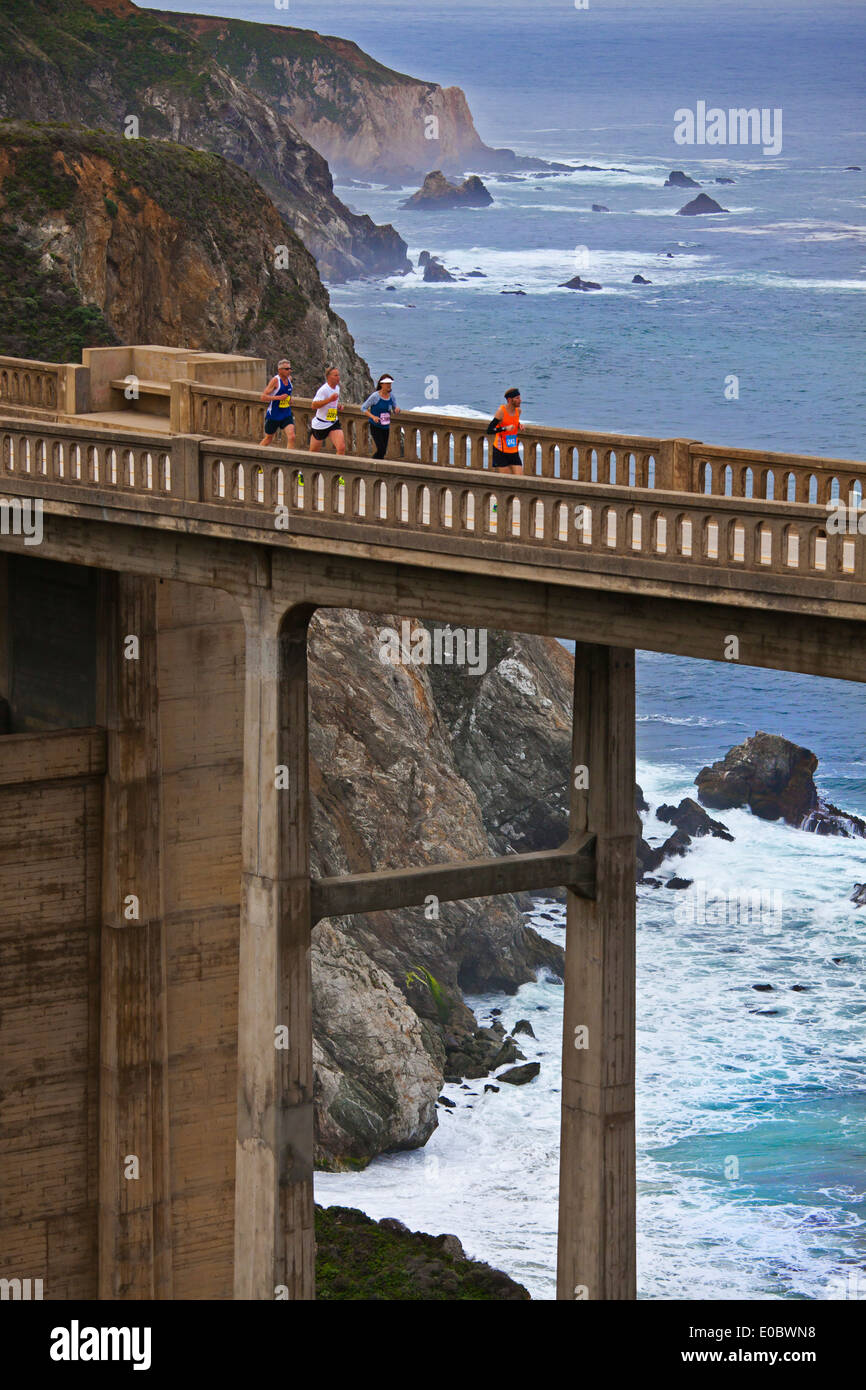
767, 1085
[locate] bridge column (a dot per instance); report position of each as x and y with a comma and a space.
597, 1158
134, 1184
274, 1237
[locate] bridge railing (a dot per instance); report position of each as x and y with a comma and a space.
36, 384
430, 506
681, 465
79, 458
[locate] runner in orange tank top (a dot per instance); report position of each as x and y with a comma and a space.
505, 428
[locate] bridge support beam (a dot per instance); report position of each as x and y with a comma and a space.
389, 889
274, 1236
597, 1154
134, 1185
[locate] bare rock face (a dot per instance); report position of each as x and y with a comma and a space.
768, 774
511, 735
119, 223
386, 793
437, 192
375, 1081
700, 205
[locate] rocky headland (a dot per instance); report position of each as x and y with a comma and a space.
107, 64
366, 119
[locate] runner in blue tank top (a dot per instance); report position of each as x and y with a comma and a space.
279, 416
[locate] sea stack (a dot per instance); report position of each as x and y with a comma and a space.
437, 192
700, 205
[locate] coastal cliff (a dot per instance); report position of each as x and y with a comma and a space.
127, 71
363, 117
112, 240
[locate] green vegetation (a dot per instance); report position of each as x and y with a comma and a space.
357, 1258
38, 182
76, 39
421, 976
41, 313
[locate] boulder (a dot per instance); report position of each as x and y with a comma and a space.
423, 258
476, 275
679, 883
375, 1081
518, 1076
523, 292
693, 820
437, 192
859, 895
508, 1052
677, 179
699, 206
853, 169
600, 207
523, 1026
436, 273
639, 280
720, 180
576, 283
490, 1087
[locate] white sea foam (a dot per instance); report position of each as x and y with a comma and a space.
718, 1078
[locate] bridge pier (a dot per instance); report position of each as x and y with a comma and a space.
274, 1234
134, 1222
596, 1257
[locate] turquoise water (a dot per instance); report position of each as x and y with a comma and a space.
767, 1084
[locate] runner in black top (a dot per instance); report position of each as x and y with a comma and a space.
378, 409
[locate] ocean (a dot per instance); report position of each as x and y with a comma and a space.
751, 1103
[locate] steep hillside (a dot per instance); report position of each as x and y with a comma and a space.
107, 240
102, 62
362, 116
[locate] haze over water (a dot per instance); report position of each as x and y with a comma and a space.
771, 292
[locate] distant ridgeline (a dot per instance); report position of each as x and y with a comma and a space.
103, 241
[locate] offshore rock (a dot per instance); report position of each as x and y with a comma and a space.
700, 205
437, 192
519, 1076
677, 179
693, 820
576, 283
770, 775
435, 272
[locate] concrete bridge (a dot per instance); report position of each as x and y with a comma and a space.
156, 900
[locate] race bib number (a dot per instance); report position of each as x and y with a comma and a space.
285, 402
511, 441
385, 417
331, 413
